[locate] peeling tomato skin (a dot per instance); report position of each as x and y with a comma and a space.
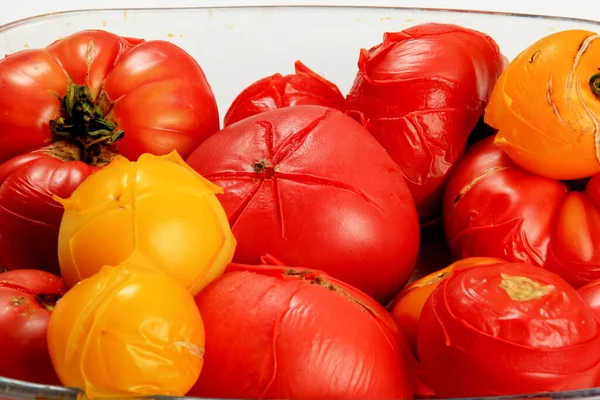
420, 93
292, 333
518, 216
304, 87
476, 340
312, 187
24, 322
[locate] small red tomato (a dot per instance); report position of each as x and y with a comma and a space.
305, 87
507, 329
29, 217
591, 295
420, 93
27, 298
312, 187
279, 332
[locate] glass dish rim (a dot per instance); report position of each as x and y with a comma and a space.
77, 393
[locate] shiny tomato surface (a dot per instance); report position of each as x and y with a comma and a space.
27, 299
311, 186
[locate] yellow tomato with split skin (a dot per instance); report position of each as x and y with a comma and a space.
127, 331
546, 106
155, 212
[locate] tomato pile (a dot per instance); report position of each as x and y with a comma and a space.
432, 233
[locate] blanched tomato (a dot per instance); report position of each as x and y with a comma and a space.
127, 331
312, 187
155, 212
505, 329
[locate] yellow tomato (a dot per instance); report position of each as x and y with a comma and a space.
127, 331
546, 106
154, 212
406, 307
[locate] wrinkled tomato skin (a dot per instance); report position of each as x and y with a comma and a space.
493, 208
304, 87
164, 100
485, 331
29, 216
297, 186
420, 93
591, 294
24, 322
278, 332
408, 304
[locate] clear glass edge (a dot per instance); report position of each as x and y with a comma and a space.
12, 387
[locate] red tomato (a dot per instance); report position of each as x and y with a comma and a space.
29, 217
27, 298
591, 294
305, 87
153, 91
494, 208
278, 332
420, 93
505, 329
310, 186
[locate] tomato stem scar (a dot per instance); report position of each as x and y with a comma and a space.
521, 288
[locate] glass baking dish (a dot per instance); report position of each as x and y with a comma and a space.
238, 45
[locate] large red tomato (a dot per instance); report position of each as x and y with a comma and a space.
27, 298
29, 216
277, 332
494, 208
84, 99
591, 294
512, 328
305, 87
311, 186
153, 91
420, 93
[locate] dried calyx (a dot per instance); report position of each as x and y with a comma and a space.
595, 84
84, 125
48, 301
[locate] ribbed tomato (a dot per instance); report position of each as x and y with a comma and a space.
29, 216
420, 93
503, 329
493, 208
304, 87
278, 332
312, 187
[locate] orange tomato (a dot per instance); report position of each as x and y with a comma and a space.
154, 212
406, 307
127, 331
546, 106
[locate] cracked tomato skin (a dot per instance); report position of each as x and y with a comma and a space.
420, 93
546, 106
308, 345
27, 298
29, 216
493, 208
310, 186
304, 87
164, 100
507, 329
127, 330
155, 212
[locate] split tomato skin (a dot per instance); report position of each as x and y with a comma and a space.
27, 298
310, 186
408, 304
127, 330
308, 345
304, 87
420, 93
29, 216
152, 90
155, 212
507, 329
494, 208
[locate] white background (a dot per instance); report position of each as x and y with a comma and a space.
589, 9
